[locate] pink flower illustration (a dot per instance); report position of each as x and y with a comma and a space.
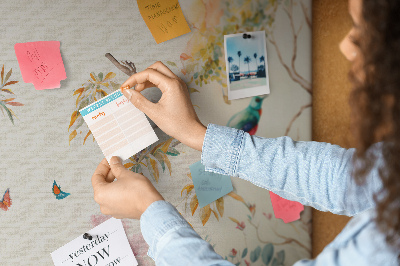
233, 252
240, 226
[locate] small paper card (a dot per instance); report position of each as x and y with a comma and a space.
164, 18
109, 246
284, 209
209, 186
118, 126
41, 63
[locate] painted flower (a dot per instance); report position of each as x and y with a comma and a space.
247, 263
252, 209
241, 226
268, 216
233, 252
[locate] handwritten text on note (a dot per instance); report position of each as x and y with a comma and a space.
164, 18
209, 186
41, 63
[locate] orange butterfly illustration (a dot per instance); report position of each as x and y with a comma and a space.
6, 201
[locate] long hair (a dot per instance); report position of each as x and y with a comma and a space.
375, 103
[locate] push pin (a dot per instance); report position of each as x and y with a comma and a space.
246, 36
87, 236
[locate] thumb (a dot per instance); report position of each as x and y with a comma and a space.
117, 168
139, 101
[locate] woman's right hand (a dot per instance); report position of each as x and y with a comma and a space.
174, 113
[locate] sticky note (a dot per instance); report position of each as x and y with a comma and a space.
164, 18
118, 126
284, 209
109, 246
41, 63
209, 186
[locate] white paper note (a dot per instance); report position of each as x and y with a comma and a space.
118, 126
109, 246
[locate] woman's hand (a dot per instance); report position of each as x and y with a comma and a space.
127, 197
174, 113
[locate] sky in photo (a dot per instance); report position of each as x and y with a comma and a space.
248, 47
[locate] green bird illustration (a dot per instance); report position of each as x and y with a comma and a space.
247, 119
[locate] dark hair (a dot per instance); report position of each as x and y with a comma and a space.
375, 102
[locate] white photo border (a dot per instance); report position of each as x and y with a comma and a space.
247, 92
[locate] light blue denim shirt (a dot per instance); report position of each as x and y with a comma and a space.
312, 173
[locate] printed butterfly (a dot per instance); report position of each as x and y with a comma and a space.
57, 191
6, 201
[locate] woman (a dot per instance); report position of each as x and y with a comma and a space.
316, 174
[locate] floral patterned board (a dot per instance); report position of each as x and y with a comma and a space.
48, 154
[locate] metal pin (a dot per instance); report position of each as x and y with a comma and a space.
87, 236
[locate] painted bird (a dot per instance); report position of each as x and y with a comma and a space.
57, 191
6, 201
247, 119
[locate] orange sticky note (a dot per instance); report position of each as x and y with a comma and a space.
284, 209
41, 63
164, 18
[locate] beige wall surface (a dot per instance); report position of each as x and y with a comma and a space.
331, 87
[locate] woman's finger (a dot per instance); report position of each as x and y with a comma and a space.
100, 174
110, 177
142, 86
160, 67
159, 80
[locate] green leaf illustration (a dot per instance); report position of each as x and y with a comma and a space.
267, 253
255, 254
244, 253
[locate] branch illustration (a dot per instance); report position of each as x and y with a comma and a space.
125, 66
291, 68
287, 240
305, 12
296, 77
296, 116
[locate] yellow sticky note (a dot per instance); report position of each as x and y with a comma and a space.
164, 18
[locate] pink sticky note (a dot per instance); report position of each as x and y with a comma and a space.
41, 63
284, 209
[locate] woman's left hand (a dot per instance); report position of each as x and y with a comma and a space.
127, 197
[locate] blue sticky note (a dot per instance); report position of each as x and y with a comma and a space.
209, 186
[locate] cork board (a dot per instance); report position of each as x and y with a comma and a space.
331, 87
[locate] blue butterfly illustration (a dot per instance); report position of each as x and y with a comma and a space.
57, 191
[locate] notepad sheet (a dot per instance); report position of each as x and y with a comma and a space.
118, 126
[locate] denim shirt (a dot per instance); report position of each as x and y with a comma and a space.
312, 173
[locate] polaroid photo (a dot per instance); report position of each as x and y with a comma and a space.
246, 64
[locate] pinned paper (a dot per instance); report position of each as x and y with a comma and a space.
118, 126
164, 18
209, 186
41, 63
284, 209
108, 246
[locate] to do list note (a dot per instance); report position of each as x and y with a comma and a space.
118, 126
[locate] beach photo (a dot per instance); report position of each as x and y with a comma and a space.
246, 64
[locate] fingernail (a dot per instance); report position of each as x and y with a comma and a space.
115, 160
129, 92
125, 88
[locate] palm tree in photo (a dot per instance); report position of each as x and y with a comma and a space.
262, 59
247, 60
230, 60
255, 57
239, 54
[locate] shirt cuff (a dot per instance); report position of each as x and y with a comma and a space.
221, 150
158, 219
